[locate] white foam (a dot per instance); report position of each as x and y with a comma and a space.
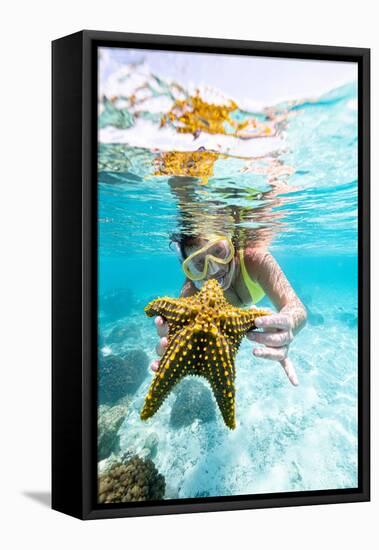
148, 135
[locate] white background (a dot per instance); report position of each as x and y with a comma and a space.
27, 29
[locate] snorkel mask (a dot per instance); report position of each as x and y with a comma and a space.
218, 251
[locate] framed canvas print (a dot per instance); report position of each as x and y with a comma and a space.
210, 274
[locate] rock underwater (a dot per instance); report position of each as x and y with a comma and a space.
205, 333
119, 376
109, 422
193, 402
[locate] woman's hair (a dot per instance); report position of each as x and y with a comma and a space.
187, 240
183, 241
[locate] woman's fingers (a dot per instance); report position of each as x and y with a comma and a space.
154, 365
161, 346
276, 336
274, 354
162, 326
290, 371
272, 339
277, 320
279, 354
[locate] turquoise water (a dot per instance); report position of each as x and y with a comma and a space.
300, 188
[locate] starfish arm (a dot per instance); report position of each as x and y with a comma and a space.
175, 310
212, 357
204, 335
220, 372
244, 320
255, 313
172, 367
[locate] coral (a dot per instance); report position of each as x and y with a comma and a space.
130, 481
205, 332
119, 376
193, 401
108, 424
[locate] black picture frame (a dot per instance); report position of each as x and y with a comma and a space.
74, 273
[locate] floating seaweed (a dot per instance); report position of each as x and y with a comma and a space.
198, 164
194, 115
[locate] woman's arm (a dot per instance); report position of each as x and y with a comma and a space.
278, 329
263, 267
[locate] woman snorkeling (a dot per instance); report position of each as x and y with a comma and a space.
246, 274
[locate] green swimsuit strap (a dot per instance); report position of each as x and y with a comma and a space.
255, 290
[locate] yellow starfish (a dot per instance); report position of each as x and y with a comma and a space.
205, 332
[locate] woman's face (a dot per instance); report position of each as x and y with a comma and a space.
223, 273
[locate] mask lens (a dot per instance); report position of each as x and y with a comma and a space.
213, 268
199, 263
219, 250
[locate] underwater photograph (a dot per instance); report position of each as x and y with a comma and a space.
227, 200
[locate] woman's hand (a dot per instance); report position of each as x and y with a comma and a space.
162, 329
276, 337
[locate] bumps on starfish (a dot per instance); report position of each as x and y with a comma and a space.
205, 332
